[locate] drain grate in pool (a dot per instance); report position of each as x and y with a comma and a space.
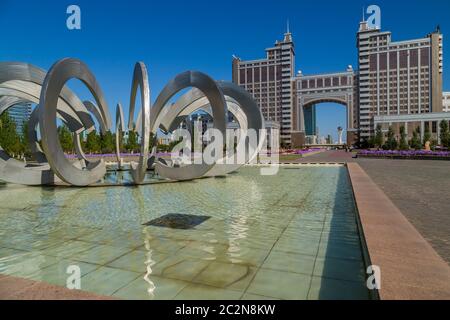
177, 221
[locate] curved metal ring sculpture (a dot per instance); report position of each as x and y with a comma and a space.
56, 78
245, 111
140, 80
119, 131
20, 82
218, 107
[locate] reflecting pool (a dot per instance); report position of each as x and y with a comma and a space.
246, 236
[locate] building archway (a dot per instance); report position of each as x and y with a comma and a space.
316, 89
319, 118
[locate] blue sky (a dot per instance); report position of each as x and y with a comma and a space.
174, 36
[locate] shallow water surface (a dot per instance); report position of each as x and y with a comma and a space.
245, 236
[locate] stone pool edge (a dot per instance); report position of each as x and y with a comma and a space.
16, 288
410, 268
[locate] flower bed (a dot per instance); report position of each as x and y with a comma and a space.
113, 155
307, 151
405, 154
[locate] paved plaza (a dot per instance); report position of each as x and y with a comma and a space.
419, 188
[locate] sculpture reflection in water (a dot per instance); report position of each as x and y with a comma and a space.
24, 83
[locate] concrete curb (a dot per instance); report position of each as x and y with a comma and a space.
410, 268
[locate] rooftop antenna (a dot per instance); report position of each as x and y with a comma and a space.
287, 25
363, 15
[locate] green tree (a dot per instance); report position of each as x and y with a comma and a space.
371, 142
362, 144
121, 145
433, 144
415, 142
379, 137
391, 142
107, 142
93, 142
445, 134
9, 139
403, 139
153, 141
132, 141
25, 148
65, 138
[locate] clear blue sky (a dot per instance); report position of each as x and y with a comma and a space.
174, 36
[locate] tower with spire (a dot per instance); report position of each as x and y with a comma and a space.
268, 80
287, 34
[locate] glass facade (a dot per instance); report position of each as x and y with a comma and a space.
309, 113
20, 114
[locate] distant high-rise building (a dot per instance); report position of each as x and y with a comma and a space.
397, 78
446, 102
269, 81
20, 114
310, 120
397, 84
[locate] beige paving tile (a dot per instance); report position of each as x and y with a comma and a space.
165, 245
252, 257
201, 292
280, 284
203, 250
29, 242
106, 281
182, 268
112, 239
151, 288
290, 262
7, 252
256, 241
68, 248
138, 260
58, 274
256, 297
100, 254
226, 275
71, 232
26, 264
301, 247
159, 267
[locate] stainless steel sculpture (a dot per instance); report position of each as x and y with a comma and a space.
245, 111
218, 107
119, 131
140, 80
54, 82
20, 82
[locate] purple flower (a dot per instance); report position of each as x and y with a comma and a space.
406, 153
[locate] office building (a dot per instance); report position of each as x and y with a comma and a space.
397, 78
397, 83
269, 80
20, 114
